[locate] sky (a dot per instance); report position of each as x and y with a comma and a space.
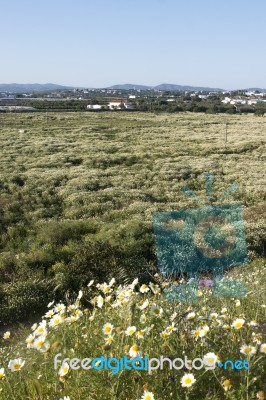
99, 43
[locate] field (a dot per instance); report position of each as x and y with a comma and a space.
77, 196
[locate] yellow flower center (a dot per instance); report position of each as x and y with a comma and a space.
188, 381
148, 397
17, 366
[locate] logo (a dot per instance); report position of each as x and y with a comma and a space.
209, 238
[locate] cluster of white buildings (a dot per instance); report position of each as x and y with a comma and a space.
243, 101
113, 105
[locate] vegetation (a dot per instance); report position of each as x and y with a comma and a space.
78, 192
136, 321
77, 196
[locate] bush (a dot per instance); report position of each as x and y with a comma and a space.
24, 300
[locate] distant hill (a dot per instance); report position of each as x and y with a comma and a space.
165, 86
172, 87
30, 87
130, 86
254, 90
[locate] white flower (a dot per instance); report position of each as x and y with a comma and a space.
253, 323
16, 364
134, 351
157, 311
63, 369
80, 295
34, 326
2, 373
263, 348
191, 315
144, 288
144, 305
187, 380
143, 319
41, 329
6, 335
210, 359
130, 330
30, 340
238, 323
147, 396
134, 283
40, 344
65, 398
108, 328
173, 316
49, 314
59, 308
248, 350
112, 281
100, 301
55, 320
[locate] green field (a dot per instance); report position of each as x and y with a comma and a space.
77, 195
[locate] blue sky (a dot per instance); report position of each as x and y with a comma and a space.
98, 43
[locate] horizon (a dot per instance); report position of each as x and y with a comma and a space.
101, 44
132, 84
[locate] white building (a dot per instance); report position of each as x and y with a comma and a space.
94, 107
120, 104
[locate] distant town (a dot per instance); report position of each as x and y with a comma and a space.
110, 99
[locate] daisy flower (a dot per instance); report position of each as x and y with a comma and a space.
165, 334
134, 351
227, 385
49, 314
100, 301
187, 380
157, 311
63, 369
147, 396
6, 335
60, 308
144, 288
16, 364
109, 339
191, 315
263, 348
143, 319
134, 283
140, 334
2, 373
55, 320
108, 328
171, 328
144, 305
210, 359
238, 323
130, 330
30, 340
41, 329
248, 350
